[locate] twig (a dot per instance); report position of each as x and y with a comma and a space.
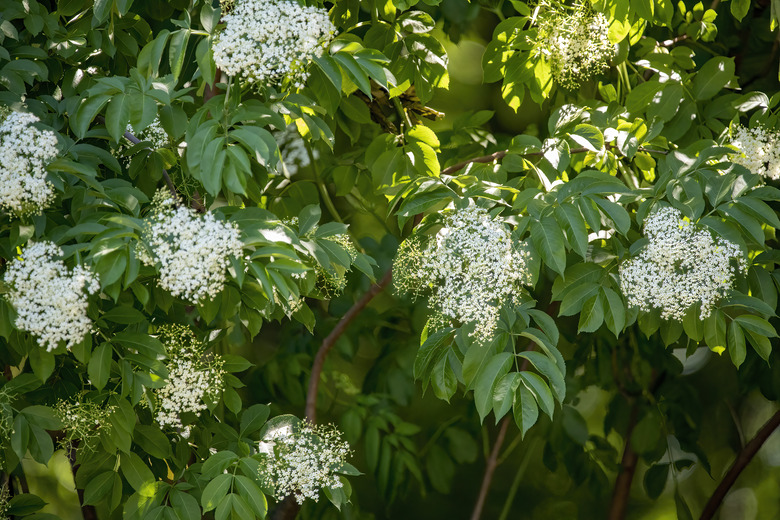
672, 41
744, 457
626, 476
490, 468
492, 462
330, 340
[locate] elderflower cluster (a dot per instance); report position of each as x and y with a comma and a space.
82, 421
191, 377
472, 267
303, 459
576, 43
25, 151
681, 266
5, 497
192, 251
50, 300
267, 41
759, 150
332, 281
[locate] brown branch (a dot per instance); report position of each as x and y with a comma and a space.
330, 340
490, 468
627, 469
743, 459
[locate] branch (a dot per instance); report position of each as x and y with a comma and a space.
626, 476
490, 468
743, 459
330, 340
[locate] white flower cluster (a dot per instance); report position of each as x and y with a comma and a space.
5, 497
759, 150
472, 266
24, 153
193, 251
191, 377
681, 266
154, 133
576, 43
82, 422
300, 461
50, 301
266, 41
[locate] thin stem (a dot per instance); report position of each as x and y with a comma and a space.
330, 340
321, 186
490, 468
627, 469
744, 457
510, 497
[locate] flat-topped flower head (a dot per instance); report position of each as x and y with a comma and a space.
303, 459
50, 300
268, 41
759, 150
192, 251
575, 41
472, 267
192, 376
25, 151
681, 266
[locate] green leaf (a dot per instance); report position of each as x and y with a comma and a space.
524, 409
152, 440
135, 471
614, 311
486, 380
24, 504
588, 136
118, 116
443, 380
757, 325
433, 348
712, 77
549, 369
99, 366
548, 239
252, 494
218, 463
215, 491
570, 218
737, 349
540, 390
655, 480
592, 314
504, 394
43, 417
99, 487
253, 418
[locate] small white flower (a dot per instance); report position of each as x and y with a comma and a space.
50, 301
679, 267
192, 251
575, 42
300, 461
25, 151
191, 377
472, 267
266, 41
759, 150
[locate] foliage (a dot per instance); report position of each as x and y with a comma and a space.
233, 222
